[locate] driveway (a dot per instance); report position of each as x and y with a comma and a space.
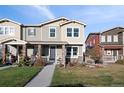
44, 78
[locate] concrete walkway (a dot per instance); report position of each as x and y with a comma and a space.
44, 78
5, 67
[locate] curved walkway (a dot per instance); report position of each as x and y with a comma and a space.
44, 78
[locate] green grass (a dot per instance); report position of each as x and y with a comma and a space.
18, 76
112, 75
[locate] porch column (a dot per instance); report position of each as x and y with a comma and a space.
102, 54
24, 51
39, 50
63, 55
3, 53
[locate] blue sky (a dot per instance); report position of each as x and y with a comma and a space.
98, 18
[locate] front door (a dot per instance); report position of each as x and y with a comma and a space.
52, 53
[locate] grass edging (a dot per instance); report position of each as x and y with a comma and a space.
32, 77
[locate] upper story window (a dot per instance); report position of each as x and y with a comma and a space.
109, 38
7, 30
103, 39
115, 38
72, 32
31, 31
76, 32
52, 32
69, 32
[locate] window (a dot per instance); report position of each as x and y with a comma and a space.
109, 38
102, 38
69, 32
1, 31
68, 53
75, 51
115, 38
31, 32
52, 32
7, 30
71, 51
76, 32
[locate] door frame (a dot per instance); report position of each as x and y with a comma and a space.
55, 51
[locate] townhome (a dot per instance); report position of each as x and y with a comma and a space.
54, 40
110, 44
92, 43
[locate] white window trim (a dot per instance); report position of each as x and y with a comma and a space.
108, 38
102, 38
73, 32
49, 32
114, 38
9, 30
73, 56
31, 35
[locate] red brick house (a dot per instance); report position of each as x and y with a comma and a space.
92, 42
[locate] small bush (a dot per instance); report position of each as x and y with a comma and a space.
39, 62
23, 62
120, 62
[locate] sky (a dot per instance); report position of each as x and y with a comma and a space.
97, 17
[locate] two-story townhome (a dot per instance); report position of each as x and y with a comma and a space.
56, 39
92, 43
109, 44
112, 44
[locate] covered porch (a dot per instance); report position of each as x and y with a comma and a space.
14, 47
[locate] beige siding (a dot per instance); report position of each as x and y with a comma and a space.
37, 37
45, 34
73, 40
16, 26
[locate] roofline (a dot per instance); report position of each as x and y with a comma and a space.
54, 20
6, 19
97, 33
112, 29
75, 21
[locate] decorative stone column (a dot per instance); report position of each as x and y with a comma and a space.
63, 55
39, 50
3, 53
24, 51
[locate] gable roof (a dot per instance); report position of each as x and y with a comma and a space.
54, 20
9, 20
97, 33
112, 29
73, 21
12, 41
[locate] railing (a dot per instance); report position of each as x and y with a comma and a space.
107, 58
45, 58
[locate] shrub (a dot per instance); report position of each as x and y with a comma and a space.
39, 62
120, 62
23, 61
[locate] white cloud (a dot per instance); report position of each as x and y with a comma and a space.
44, 10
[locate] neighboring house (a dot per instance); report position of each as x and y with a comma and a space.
112, 44
92, 44
56, 39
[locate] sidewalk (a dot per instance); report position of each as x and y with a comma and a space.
44, 78
5, 67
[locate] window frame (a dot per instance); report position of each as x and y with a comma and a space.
50, 32
34, 33
9, 30
114, 40
72, 52
73, 32
109, 38
102, 38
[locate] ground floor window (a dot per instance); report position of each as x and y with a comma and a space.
71, 51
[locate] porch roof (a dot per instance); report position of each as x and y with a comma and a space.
48, 42
113, 46
12, 41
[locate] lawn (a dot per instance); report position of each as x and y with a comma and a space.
112, 75
17, 76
